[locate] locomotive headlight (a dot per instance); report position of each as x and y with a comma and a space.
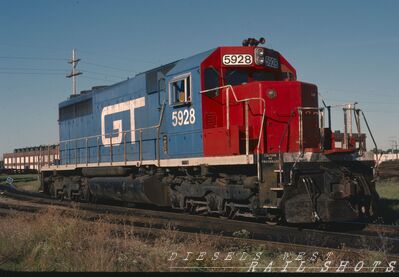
259, 56
260, 52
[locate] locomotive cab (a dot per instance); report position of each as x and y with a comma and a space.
256, 85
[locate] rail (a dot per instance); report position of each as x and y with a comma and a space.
291, 235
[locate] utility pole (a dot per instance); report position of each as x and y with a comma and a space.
394, 145
74, 61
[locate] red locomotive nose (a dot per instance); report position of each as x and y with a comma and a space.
264, 117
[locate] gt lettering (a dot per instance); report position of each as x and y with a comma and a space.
183, 117
130, 106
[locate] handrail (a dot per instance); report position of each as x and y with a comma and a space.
243, 100
98, 137
358, 127
110, 144
289, 122
111, 133
159, 133
228, 117
372, 137
280, 164
300, 109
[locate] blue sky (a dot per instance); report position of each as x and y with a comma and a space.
348, 48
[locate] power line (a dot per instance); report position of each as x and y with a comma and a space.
31, 73
98, 79
31, 58
113, 78
364, 102
30, 46
121, 58
373, 111
107, 66
18, 69
362, 92
62, 59
30, 68
93, 53
102, 73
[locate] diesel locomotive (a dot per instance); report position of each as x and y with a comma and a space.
230, 131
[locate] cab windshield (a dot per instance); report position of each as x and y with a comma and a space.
241, 76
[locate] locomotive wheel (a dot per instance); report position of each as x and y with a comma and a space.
51, 190
92, 198
61, 195
177, 200
214, 203
373, 208
85, 194
230, 210
65, 194
272, 220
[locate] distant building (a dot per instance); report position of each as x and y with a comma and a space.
386, 157
31, 158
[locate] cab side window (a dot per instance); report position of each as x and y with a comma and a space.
211, 82
180, 90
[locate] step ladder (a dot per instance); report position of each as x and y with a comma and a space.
278, 190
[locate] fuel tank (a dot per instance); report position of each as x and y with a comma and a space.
142, 189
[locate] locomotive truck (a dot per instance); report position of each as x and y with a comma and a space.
230, 131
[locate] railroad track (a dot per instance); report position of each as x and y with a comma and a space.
152, 232
385, 238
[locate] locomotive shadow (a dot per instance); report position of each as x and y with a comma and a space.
332, 226
390, 211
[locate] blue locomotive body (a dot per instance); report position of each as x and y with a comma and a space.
108, 124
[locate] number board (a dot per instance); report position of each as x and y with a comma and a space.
271, 62
237, 59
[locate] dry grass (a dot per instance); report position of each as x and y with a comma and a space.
47, 241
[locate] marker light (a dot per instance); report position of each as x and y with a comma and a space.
259, 56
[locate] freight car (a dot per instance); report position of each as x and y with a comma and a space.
230, 131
